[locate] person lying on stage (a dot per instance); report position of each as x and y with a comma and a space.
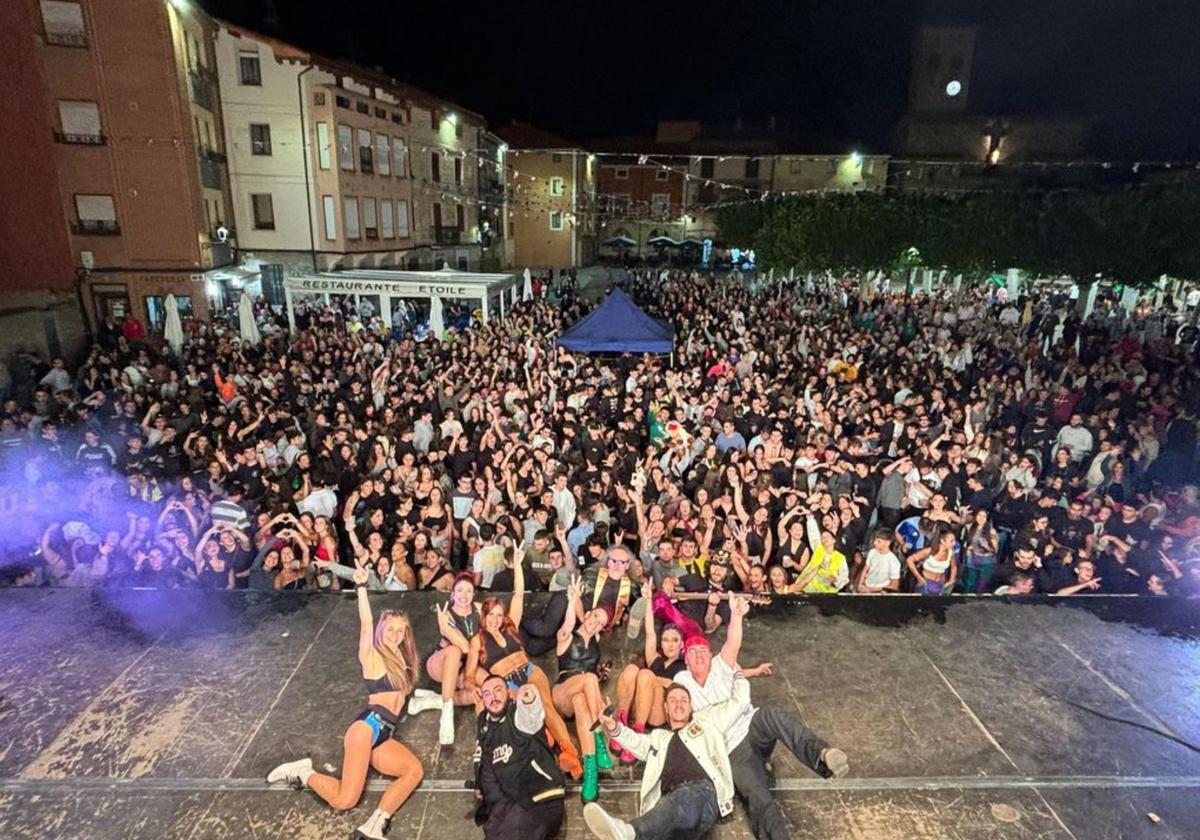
521, 786
389, 668
752, 733
688, 782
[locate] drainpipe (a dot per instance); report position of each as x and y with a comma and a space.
312, 239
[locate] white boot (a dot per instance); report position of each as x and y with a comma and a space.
604, 825
424, 700
446, 730
375, 827
295, 773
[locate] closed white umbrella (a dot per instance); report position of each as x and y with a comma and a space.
437, 323
172, 328
246, 325
527, 293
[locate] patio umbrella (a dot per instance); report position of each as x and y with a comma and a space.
527, 292
437, 323
172, 328
620, 242
662, 242
246, 325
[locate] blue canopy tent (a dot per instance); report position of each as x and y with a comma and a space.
617, 325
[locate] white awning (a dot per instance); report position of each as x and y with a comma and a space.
447, 283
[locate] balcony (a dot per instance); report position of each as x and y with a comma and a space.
67, 39
219, 254
201, 90
210, 173
446, 235
96, 227
80, 139
213, 155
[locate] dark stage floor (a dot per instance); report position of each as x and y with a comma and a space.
155, 715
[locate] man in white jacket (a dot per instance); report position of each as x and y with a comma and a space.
687, 785
752, 732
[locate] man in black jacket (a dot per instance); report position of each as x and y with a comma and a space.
516, 774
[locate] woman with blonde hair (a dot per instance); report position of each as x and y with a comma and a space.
388, 660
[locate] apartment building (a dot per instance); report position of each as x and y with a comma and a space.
641, 194
552, 199
338, 166
130, 100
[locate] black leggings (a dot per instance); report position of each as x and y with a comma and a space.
541, 632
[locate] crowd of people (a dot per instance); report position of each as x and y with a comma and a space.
801, 440
813, 440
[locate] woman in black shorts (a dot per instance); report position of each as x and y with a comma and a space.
389, 669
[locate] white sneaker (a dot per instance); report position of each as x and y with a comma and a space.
295, 773
446, 729
424, 700
604, 825
375, 828
837, 762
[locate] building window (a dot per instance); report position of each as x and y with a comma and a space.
362, 107
345, 141
383, 157
342, 102
63, 23
249, 69
397, 118
621, 173
706, 167
463, 264
458, 129
661, 175
369, 221
350, 217
402, 219
96, 214
264, 211
433, 119
460, 216
795, 166
319, 97
557, 158
556, 186
435, 166
80, 122
330, 217
556, 220
458, 170
323, 145
366, 158
381, 113
387, 227
260, 139
751, 167
660, 205
399, 162
869, 167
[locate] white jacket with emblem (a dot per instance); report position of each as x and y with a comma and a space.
703, 736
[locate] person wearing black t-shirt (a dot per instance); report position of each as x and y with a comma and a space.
687, 784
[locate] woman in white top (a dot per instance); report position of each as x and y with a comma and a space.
935, 566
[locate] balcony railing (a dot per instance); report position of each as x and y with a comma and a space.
213, 155
210, 173
201, 90
446, 235
67, 39
96, 227
80, 139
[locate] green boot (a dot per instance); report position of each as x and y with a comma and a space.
591, 780
603, 759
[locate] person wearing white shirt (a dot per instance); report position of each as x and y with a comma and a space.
881, 571
752, 733
564, 502
687, 784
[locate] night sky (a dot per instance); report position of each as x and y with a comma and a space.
828, 69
